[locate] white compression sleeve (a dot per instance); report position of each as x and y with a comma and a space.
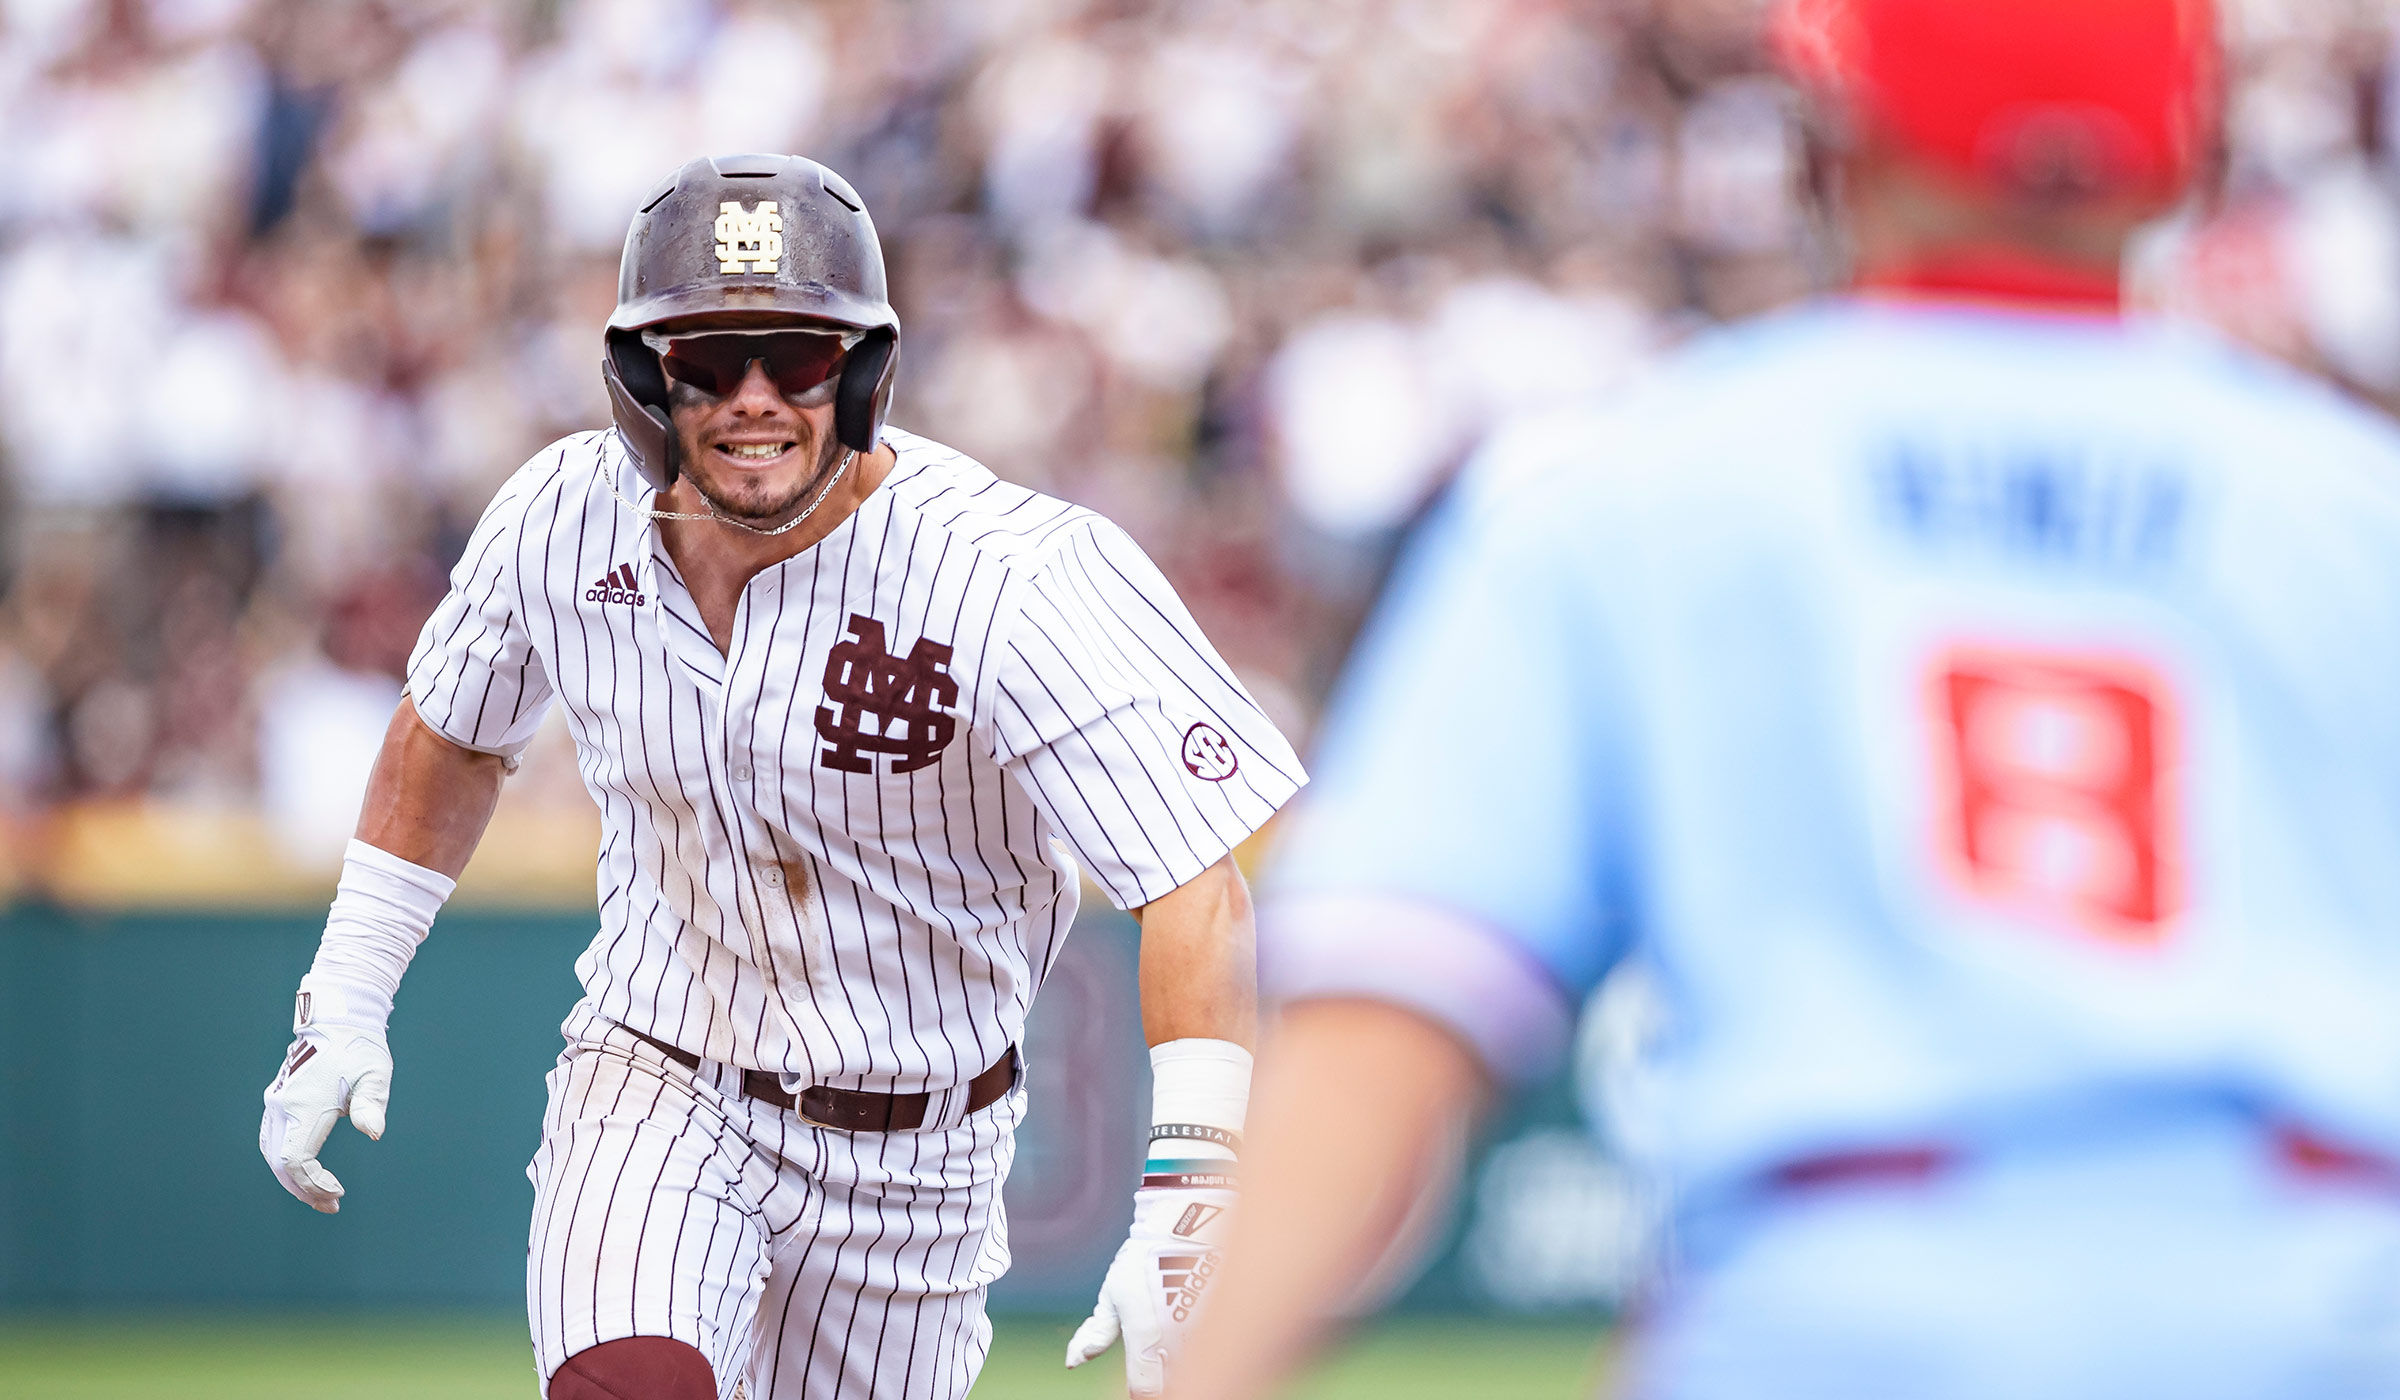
1199, 1095
383, 909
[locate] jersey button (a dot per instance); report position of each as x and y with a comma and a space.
771, 876
741, 774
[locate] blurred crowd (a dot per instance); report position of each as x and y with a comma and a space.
288, 286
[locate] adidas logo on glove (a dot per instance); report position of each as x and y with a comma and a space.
1184, 1276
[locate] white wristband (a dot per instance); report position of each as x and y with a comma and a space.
1199, 1095
383, 909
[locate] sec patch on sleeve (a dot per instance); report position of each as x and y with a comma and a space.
1208, 755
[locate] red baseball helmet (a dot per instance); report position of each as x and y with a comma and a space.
2063, 98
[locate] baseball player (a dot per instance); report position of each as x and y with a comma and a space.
856, 713
1981, 713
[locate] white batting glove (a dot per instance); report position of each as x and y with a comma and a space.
1158, 1278
338, 1065
1199, 1091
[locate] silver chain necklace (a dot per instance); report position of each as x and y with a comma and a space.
849, 455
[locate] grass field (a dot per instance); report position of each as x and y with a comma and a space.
246, 1358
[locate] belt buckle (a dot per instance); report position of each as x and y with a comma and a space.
799, 1102
800, 1110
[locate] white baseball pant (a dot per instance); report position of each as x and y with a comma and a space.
805, 1263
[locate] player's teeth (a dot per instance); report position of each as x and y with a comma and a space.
756, 449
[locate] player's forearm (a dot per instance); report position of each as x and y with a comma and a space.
427, 803
1200, 1014
1356, 1104
1200, 960
428, 800
426, 806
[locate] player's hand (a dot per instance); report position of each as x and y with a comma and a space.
1156, 1282
334, 1067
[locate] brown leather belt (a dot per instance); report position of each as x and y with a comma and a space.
855, 1110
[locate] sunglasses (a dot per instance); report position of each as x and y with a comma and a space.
716, 362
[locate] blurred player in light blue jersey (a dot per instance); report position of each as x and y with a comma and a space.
1985, 716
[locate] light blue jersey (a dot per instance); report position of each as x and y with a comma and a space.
1988, 723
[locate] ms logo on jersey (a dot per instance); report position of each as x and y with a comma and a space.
878, 703
751, 238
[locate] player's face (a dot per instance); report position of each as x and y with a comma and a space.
754, 450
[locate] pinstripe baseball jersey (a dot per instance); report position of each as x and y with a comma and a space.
844, 848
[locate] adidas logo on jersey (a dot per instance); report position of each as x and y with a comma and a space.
1183, 1276
615, 586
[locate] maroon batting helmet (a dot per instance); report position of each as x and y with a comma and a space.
766, 238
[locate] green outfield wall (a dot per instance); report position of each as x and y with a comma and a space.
133, 1049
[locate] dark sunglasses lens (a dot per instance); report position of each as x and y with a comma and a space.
796, 361
702, 372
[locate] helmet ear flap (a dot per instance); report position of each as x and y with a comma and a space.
637, 393
864, 395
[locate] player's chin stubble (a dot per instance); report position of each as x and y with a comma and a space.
747, 498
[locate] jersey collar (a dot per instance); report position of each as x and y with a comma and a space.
2000, 278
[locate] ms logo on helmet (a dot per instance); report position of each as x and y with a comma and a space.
752, 237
